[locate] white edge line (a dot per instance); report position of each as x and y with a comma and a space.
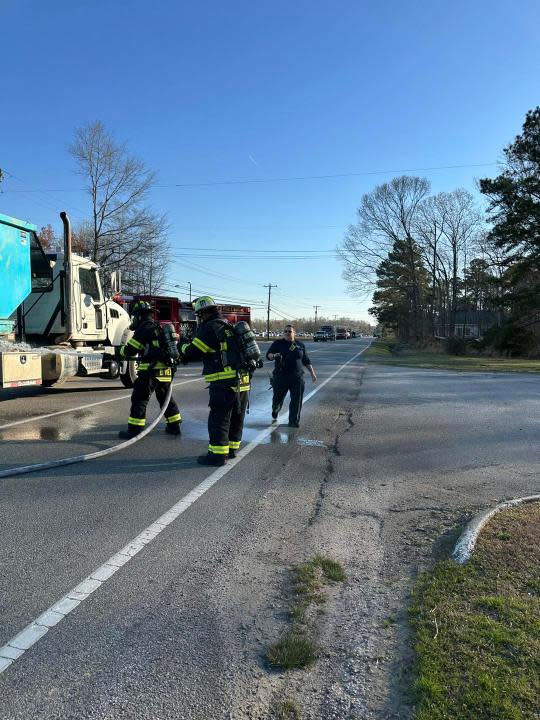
82, 407
39, 627
467, 540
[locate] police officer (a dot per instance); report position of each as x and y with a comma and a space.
290, 358
155, 373
228, 386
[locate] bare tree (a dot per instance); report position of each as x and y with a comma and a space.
123, 230
386, 216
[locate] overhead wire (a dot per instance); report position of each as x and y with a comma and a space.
291, 178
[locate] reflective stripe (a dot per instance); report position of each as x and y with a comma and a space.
203, 347
163, 379
184, 347
153, 366
226, 374
242, 388
136, 344
140, 422
123, 351
155, 343
223, 345
218, 449
233, 445
174, 418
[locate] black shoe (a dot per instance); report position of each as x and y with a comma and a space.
128, 434
173, 429
274, 417
232, 454
293, 424
211, 459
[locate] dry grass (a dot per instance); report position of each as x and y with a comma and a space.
477, 627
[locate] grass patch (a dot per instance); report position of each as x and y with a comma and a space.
381, 351
288, 709
296, 648
293, 650
477, 627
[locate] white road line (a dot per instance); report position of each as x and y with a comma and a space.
82, 407
39, 627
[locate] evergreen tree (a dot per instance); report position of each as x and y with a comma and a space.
514, 208
402, 291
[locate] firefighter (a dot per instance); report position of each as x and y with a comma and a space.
155, 372
228, 385
290, 358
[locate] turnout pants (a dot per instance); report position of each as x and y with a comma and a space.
226, 418
145, 384
294, 384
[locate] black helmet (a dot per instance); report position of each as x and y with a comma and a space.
141, 307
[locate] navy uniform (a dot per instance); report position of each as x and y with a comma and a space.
290, 359
228, 387
154, 374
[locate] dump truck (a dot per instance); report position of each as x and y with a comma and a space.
55, 321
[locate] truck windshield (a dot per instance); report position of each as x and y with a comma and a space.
40, 267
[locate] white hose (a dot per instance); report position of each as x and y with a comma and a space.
24, 469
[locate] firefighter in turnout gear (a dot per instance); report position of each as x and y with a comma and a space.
228, 383
155, 371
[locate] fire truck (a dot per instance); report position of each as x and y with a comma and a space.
168, 310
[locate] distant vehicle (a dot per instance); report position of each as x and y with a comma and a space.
330, 331
341, 333
320, 336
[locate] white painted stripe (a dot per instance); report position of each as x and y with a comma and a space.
83, 407
33, 632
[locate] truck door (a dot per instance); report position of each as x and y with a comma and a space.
90, 320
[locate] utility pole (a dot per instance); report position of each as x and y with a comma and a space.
269, 286
189, 291
316, 308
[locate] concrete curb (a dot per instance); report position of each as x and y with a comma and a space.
467, 540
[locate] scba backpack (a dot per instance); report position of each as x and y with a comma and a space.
238, 346
168, 346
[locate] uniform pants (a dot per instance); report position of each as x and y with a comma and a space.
294, 384
145, 384
226, 418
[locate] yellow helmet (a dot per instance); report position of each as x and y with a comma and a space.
205, 302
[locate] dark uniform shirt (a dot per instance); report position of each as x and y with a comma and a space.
293, 354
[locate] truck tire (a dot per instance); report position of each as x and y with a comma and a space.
53, 383
128, 377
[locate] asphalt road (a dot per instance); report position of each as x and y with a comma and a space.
387, 466
152, 628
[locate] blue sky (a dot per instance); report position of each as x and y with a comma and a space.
210, 92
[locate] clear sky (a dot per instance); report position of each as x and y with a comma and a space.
218, 91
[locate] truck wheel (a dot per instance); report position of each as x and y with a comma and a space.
53, 383
128, 377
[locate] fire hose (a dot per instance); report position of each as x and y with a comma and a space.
24, 469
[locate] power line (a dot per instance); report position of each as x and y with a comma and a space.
292, 178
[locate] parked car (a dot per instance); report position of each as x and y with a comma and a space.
320, 336
330, 331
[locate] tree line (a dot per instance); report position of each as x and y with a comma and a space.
437, 265
122, 234
309, 325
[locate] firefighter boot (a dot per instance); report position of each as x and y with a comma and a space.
129, 433
173, 429
212, 459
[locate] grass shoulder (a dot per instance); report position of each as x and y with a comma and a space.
388, 352
477, 627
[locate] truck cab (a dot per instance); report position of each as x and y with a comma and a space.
93, 319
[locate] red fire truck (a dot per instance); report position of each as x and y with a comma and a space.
172, 311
